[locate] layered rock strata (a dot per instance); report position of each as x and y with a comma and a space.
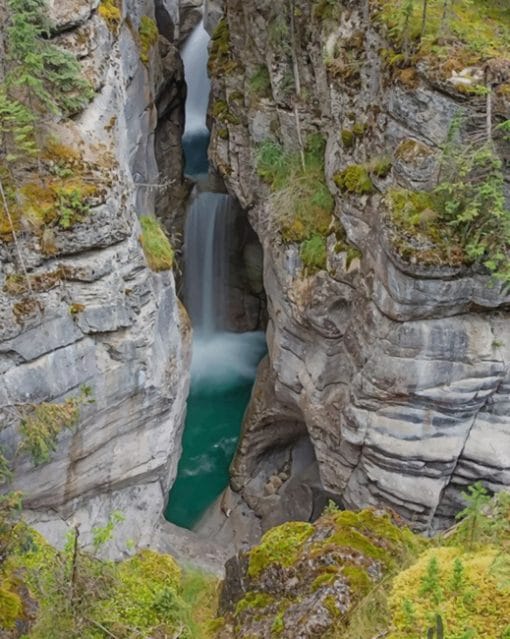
96, 315
397, 371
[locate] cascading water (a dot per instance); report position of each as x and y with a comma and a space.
196, 134
223, 362
206, 255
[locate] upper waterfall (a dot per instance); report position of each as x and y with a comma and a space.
194, 57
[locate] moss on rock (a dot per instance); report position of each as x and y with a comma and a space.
305, 578
279, 545
355, 179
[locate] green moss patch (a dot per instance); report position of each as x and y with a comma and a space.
155, 244
221, 61
253, 600
313, 253
260, 82
279, 545
148, 36
355, 179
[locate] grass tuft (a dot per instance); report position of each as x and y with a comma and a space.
155, 244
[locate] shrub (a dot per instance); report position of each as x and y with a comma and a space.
430, 587
155, 244
466, 218
301, 198
110, 11
354, 178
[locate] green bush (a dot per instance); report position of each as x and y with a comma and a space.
355, 178
300, 196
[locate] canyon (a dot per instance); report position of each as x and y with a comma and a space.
387, 379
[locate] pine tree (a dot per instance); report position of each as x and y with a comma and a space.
17, 134
44, 77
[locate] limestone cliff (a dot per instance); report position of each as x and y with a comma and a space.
387, 348
89, 311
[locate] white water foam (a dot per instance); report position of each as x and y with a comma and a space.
222, 360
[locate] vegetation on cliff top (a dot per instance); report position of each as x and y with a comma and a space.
362, 575
300, 196
465, 218
448, 34
70, 594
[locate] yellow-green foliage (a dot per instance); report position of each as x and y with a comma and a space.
464, 591
40, 425
301, 198
110, 11
155, 244
221, 111
10, 606
355, 178
253, 600
472, 32
279, 545
147, 595
40, 428
327, 10
60, 196
148, 36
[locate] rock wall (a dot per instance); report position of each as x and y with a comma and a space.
399, 370
97, 315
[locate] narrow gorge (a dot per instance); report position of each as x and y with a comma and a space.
254, 304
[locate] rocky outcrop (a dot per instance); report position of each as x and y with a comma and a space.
304, 580
95, 314
396, 365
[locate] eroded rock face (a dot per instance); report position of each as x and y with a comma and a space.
399, 370
97, 315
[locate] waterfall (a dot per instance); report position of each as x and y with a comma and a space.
223, 363
196, 134
206, 262
194, 58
